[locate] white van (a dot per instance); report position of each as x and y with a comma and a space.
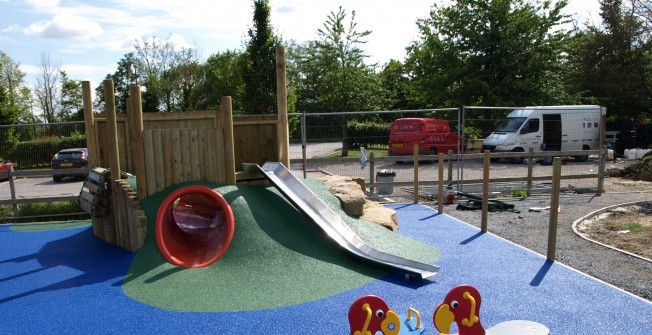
551, 128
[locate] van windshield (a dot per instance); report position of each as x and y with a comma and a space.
510, 125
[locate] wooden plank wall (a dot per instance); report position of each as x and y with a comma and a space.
255, 139
177, 155
125, 225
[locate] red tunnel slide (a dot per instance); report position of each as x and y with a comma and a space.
194, 226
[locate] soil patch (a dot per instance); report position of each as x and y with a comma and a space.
627, 228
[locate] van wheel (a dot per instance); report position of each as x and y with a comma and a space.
582, 158
517, 160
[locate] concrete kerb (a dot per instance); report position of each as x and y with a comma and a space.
598, 212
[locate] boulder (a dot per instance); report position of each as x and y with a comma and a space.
350, 191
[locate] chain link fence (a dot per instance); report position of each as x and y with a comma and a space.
347, 144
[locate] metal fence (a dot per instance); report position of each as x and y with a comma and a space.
330, 143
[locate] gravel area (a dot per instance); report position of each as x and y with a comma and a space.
530, 229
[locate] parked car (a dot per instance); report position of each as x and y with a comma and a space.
6, 166
69, 159
433, 136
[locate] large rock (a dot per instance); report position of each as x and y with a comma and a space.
350, 191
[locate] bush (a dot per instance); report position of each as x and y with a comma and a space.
38, 153
368, 134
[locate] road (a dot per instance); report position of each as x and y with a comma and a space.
41, 187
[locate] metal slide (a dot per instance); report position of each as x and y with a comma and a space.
333, 225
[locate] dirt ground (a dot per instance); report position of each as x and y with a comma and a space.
628, 228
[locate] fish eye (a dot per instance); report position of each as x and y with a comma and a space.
380, 313
454, 304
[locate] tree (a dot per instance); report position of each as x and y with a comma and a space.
222, 77
47, 88
395, 80
333, 76
495, 53
126, 74
610, 64
72, 107
17, 101
259, 63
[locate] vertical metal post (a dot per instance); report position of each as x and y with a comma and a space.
372, 167
450, 167
485, 190
416, 173
603, 150
554, 209
303, 144
440, 197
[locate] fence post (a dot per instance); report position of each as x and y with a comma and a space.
112, 130
603, 150
440, 197
450, 167
530, 166
282, 131
554, 209
416, 173
12, 190
372, 167
89, 122
486, 167
137, 140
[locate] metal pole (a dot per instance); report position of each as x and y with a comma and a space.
530, 167
303, 144
602, 155
440, 197
416, 173
554, 209
372, 167
485, 190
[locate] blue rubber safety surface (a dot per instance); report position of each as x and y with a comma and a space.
68, 282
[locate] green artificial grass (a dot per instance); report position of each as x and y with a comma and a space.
278, 257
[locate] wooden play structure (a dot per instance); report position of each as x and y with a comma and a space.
163, 149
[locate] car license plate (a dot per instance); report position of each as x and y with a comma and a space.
66, 164
397, 145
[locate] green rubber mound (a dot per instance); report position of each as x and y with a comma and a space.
278, 257
52, 225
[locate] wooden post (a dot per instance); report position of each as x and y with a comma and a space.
486, 167
554, 209
229, 151
137, 140
416, 173
112, 129
440, 198
530, 167
282, 127
89, 122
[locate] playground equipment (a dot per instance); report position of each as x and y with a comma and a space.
462, 306
333, 225
194, 226
370, 314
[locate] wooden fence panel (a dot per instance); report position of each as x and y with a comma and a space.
180, 155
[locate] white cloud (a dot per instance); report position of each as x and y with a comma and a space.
11, 28
43, 4
65, 26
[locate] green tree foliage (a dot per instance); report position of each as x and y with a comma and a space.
488, 52
222, 77
16, 101
333, 76
259, 63
72, 107
126, 74
395, 80
331, 73
609, 64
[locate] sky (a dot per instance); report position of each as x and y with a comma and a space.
87, 38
